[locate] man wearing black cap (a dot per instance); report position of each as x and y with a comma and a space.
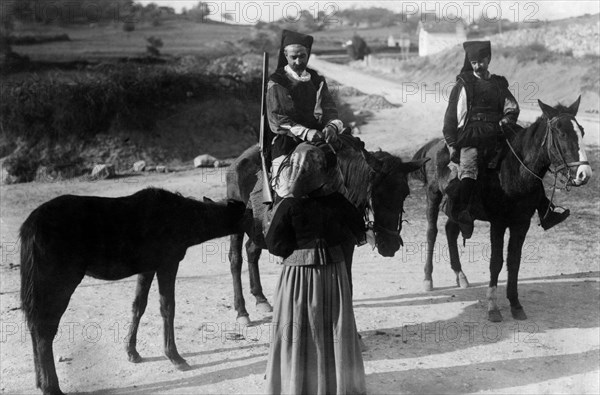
480, 104
299, 104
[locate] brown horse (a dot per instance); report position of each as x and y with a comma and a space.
147, 234
377, 184
510, 196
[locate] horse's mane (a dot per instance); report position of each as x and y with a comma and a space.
160, 192
561, 108
172, 196
357, 174
391, 164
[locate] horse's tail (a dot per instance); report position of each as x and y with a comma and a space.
421, 174
29, 270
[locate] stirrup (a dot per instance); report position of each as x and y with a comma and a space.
553, 218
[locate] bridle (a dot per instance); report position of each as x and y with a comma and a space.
371, 224
375, 227
550, 140
554, 152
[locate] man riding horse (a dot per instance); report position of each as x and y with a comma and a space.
480, 107
300, 108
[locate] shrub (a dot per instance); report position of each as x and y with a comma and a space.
68, 110
37, 39
85, 104
154, 45
128, 26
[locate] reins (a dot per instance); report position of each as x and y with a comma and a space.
549, 140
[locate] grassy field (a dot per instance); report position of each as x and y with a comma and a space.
179, 37
93, 42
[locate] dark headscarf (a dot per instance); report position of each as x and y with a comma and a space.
289, 37
475, 50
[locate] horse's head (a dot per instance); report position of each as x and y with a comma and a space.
388, 192
564, 143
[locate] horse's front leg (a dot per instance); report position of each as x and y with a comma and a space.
166, 288
253, 252
140, 302
452, 233
235, 264
496, 261
433, 209
513, 263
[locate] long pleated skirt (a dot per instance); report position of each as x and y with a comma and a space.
314, 345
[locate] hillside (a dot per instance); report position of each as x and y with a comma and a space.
223, 122
578, 37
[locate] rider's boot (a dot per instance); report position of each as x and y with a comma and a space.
465, 220
548, 216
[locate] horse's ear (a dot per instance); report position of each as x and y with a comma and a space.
573, 108
373, 162
414, 165
207, 200
547, 110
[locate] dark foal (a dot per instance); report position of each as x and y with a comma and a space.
147, 234
510, 198
377, 184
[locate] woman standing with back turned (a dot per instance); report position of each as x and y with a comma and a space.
315, 347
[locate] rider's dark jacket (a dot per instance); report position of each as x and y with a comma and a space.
475, 109
294, 107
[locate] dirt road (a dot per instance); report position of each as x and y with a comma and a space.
417, 342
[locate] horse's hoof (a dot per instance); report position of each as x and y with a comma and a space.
264, 307
243, 320
428, 285
53, 392
518, 313
182, 366
461, 280
134, 357
494, 316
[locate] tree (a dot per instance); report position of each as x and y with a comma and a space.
6, 28
199, 12
153, 49
128, 27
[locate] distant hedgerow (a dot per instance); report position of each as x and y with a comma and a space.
85, 104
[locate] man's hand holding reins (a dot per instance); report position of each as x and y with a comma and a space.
313, 135
453, 154
330, 133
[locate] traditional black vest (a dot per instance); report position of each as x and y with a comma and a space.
304, 96
485, 108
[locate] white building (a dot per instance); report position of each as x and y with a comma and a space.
438, 35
